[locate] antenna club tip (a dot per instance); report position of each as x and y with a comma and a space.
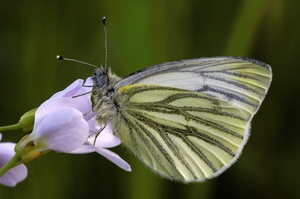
59, 57
104, 20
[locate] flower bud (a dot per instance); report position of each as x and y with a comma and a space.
26, 122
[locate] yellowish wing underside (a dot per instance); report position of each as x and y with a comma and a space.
189, 120
180, 134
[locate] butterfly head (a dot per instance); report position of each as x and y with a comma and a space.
104, 82
100, 78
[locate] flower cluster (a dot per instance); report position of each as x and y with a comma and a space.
64, 123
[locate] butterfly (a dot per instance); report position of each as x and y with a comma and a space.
187, 120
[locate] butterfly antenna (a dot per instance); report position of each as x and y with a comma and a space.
105, 41
74, 60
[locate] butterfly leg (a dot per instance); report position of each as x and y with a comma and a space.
98, 133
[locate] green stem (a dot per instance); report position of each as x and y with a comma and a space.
15, 161
10, 127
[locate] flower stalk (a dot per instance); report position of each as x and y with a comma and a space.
10, 127
26, 122
13, 162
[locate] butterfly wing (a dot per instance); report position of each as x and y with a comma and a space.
242, 81
189, 120
182, 135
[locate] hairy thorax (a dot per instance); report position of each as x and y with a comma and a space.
104, 106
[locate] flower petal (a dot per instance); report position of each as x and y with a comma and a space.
86, 148
14, 175
105, 139
114, 158
70, 90
50, 106
63, 131
94, 127
79, 95
83, 103
82, 99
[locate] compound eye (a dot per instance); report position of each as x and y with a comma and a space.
101, 80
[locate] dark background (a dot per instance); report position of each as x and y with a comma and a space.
141, 34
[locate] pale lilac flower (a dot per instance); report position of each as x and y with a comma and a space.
59, 122
14, 175
61, 129
65, 123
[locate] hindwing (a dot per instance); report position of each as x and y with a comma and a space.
180, 134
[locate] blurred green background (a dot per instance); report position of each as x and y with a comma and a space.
141, 34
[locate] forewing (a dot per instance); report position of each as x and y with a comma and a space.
241, 81
182, 135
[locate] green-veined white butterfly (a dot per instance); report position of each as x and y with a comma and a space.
187, 120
